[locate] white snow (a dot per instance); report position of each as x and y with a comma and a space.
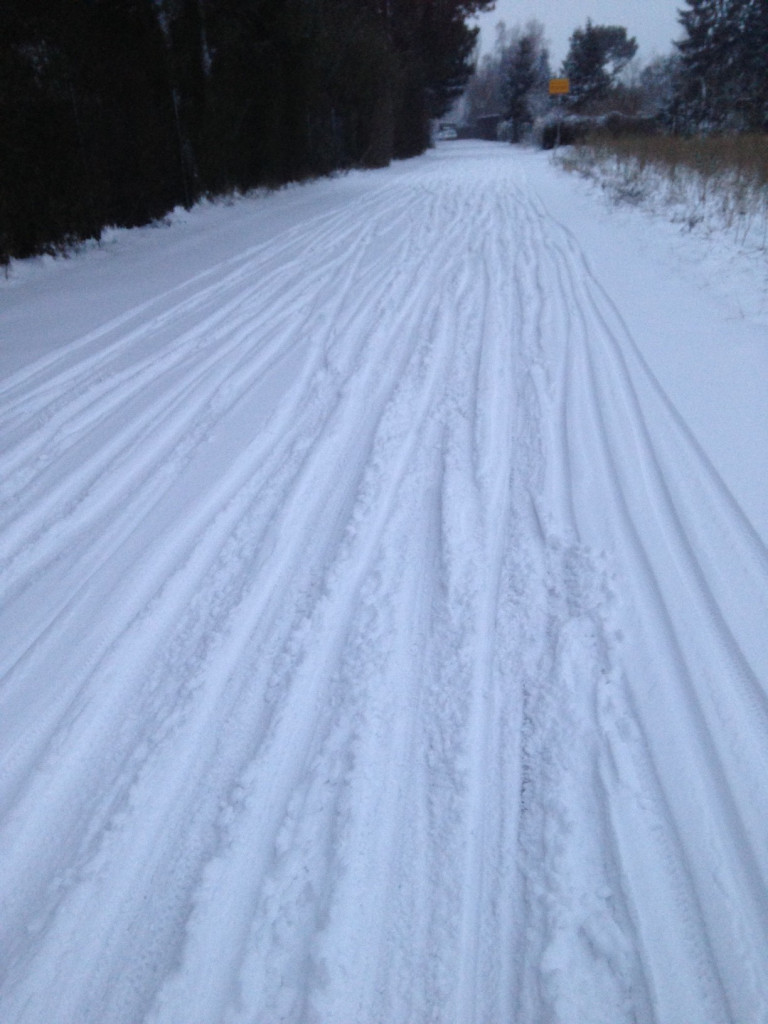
384, 601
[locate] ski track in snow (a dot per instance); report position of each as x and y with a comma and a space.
378, 646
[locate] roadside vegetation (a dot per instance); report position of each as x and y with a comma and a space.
717, 183
687, 133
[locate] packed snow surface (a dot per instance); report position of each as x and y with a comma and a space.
385, 614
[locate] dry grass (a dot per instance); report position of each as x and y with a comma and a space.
745, 156
720, 183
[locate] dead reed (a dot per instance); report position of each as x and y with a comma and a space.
719, 182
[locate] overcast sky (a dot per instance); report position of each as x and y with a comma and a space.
653, 22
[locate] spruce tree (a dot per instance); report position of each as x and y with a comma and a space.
702, 63
746, 92
596, 56
724, 66
114, 111
526, 70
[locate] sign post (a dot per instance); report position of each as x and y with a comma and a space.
559, 87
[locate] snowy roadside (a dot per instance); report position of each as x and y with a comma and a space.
131, 267
696, 303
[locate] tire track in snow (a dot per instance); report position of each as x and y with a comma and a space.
601, 398
569, 924
225, 330
188, 542
345, 998
317, 678
170, 463
52, 378
102, 722
706, 759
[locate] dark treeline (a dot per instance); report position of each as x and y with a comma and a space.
115, 111
721, 72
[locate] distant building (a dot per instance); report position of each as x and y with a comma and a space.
486, 127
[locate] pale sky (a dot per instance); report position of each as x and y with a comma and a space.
653, 22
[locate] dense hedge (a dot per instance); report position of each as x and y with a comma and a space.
115, 111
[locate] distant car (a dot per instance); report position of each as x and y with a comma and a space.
447, 132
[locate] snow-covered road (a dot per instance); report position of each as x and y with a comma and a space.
380, 644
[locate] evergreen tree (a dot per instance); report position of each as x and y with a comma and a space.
435, 48
596, 56
85, 121
126, 115
526, 67
702, 60
187, 62
657, 84
485, 94
511, 83
723, 66
43, 163
750, 26
114, 111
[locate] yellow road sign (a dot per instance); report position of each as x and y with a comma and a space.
559, 86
